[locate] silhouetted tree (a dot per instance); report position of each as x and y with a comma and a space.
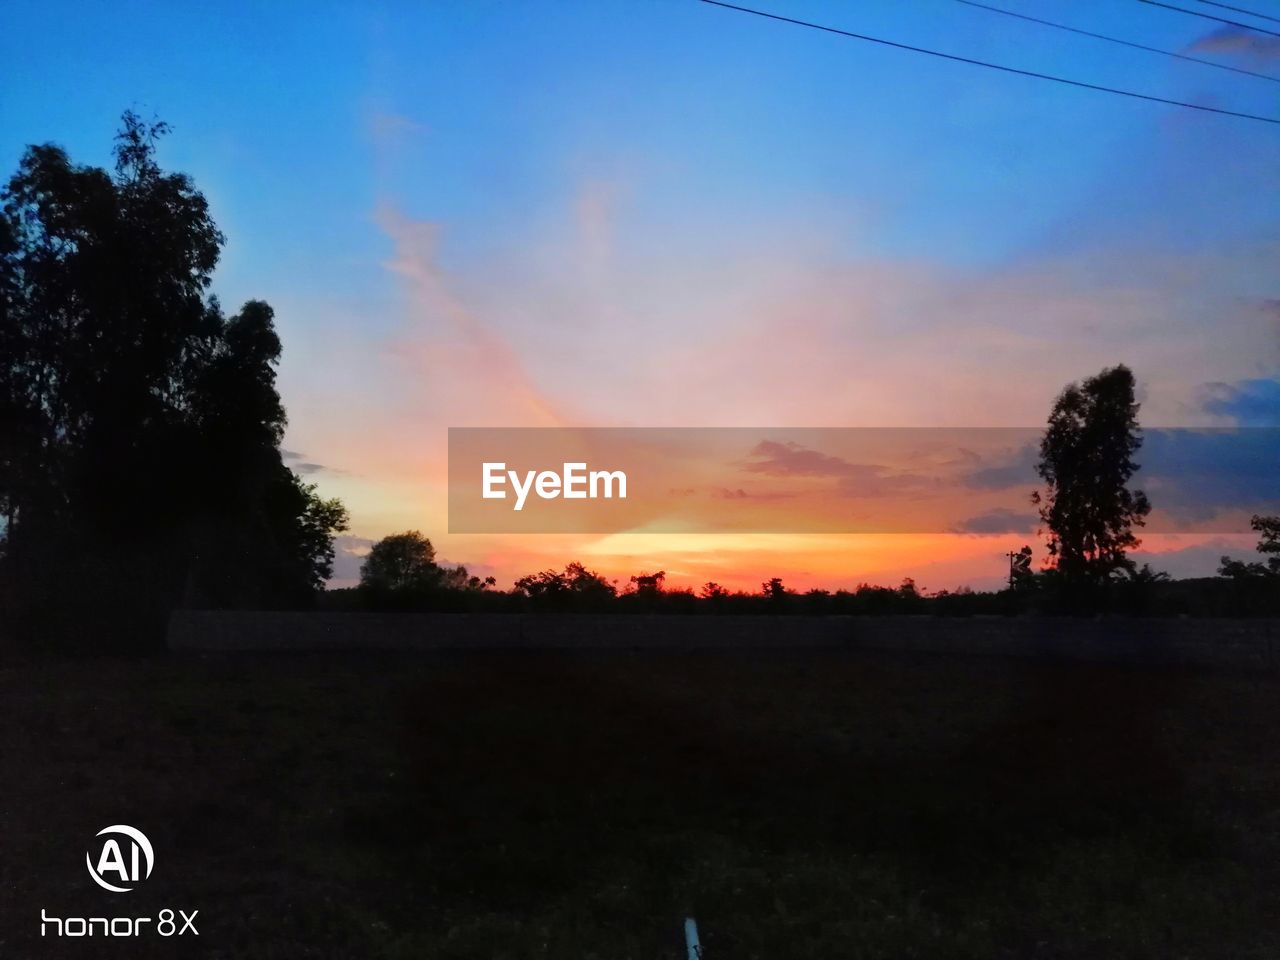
773, 589
401, 572
777, 598
303, 524
279, 531
1268, 529
459, 579
574, 587
139, 427
648, 584
403, 563
1086, 462
1136, 589
1145, 574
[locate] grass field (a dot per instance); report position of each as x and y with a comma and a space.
825, 805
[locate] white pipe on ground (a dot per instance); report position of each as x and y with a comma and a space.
691, 938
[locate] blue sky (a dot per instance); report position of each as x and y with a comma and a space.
663, 186
735, 116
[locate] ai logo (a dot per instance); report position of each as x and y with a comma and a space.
118, 858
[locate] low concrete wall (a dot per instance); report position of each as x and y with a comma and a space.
1248, 643
265, 630
1202, 642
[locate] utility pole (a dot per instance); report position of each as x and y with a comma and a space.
1012, 555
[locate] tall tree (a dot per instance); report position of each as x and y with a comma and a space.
1086, 463
139, 427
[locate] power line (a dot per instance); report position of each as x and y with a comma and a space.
1126, 43
1251, 13
991, 66
1209, 16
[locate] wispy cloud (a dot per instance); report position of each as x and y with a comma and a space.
1249, 403
472, 368
1012, 469
385, 125
1234, 41
790, 459
299, 464
999, 521
738, 493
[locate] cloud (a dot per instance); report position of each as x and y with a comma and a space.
1250, 403
348, 554
1016, 469
791, 459
456, 354
298, 464
480, 570
1196, 475
737, 493
1191, 475
385, 125
1234, 41
1200, 559
594, 214
999, 520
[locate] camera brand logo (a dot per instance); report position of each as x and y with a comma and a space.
125, 857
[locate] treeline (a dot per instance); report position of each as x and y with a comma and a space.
401, 573
1090, 514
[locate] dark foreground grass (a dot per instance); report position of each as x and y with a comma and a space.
826, 805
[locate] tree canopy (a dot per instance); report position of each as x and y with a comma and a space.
400, 563
140, 426
1268, 530
573, 587
1086, 463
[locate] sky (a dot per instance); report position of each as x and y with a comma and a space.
660, 213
